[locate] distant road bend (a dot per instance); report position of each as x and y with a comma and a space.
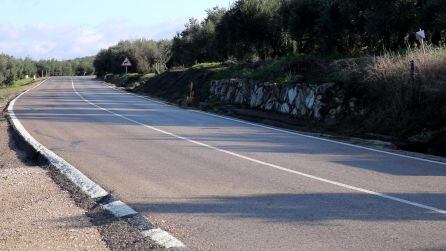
222, 184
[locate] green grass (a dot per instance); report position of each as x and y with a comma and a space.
297, 68
6, 91
147, 76
208, 65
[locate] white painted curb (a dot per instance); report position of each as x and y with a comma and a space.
164, 238
117, 208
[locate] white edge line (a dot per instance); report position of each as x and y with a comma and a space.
339, 184
161, 237
283, 130
117, 208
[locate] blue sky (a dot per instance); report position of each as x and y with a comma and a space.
65, 29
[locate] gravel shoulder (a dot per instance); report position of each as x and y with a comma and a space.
42, 210
36, 214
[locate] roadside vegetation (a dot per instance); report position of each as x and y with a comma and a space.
8, 91
15, 87
147, 56
366, 46
13, 69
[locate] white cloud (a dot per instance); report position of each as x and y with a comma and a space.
42, 41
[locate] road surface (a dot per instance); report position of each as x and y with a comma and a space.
221, 184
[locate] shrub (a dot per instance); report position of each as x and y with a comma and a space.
401, 106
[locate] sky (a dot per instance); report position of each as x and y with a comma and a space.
62, 29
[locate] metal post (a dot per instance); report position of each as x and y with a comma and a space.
412, 70
126, 63
422, 45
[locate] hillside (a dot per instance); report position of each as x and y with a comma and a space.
388, 105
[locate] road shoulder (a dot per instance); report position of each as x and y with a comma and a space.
41, 209
36, 214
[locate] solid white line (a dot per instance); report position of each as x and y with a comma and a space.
339, 184
325, 139
288, 131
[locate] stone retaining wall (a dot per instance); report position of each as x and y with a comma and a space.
316, 102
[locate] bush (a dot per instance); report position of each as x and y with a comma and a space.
401, 106
146, 56
252, 30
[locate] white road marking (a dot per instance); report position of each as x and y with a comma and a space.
339, 184
117, 208
326, 140
285, 130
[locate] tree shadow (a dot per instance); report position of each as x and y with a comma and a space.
65, 106
314, 208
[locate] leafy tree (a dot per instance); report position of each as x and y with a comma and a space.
197, 42
261, 29
389, 23
12, 69
434, 20
253, 28
301, 19
146, 56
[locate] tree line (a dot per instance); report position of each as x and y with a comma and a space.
74, 67
251, 30
145, 55
12, 69
261, 29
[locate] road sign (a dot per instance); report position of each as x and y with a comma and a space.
420, 34
126, 62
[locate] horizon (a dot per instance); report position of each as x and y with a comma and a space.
42, 30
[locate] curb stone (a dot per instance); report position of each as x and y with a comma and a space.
103, 198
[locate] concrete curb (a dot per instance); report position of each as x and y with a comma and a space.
103, 198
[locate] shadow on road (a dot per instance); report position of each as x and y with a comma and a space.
62, 105
305, 208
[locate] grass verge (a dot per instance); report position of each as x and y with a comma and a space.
9, 90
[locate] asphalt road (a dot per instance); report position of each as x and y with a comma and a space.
222, 184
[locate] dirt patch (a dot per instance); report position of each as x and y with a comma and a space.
35, 213
42, 209
119, 234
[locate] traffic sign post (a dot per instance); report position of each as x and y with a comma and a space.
421, 36
126, 63
412, 71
